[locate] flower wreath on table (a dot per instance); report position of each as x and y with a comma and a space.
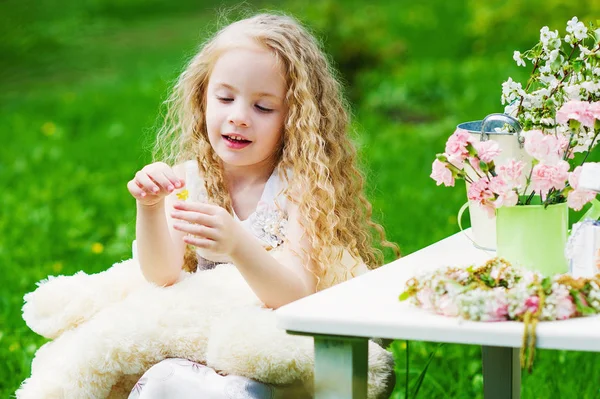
498, 291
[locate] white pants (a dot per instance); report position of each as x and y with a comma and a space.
183, 379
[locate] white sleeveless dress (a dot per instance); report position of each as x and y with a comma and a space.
183, 379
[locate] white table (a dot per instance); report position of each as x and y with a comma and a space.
343, 317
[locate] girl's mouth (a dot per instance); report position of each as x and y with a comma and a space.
233, 142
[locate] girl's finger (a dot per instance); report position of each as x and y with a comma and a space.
197, 230
194, 217
161, 180
144, 181
199, 207
175, 181
199, 242
135, 190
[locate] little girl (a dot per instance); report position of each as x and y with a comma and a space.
258, 132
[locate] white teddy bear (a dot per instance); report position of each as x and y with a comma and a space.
109, 328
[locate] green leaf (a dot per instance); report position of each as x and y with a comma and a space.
405, 295
421, 377
581, 308
547, 284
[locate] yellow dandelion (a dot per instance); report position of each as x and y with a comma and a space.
14, 346
57, 267
97, 248
403, 345
48, 129
183, 195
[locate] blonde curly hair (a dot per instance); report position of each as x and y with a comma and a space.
316, 148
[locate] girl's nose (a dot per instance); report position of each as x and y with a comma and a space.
239, 115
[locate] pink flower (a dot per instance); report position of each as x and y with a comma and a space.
576, 110
497, 307
498, 185
544, 147
532, 303
565, 307
456, 160
425, 298
474, 162
456, 146
447, 307
487, 150
594, 109
508, 198
544, 177
441, 174
480, 191
511, 173
578, 198
574, 177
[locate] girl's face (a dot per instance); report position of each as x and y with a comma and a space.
245, 108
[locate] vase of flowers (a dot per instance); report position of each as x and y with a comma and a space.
559, 111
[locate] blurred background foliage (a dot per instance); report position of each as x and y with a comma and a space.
81, 87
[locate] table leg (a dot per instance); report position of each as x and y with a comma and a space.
501, 372
341, 367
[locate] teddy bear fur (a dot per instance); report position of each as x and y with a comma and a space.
109, 328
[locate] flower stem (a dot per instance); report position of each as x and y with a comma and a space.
590, 147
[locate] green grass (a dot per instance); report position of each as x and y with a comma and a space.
81, 91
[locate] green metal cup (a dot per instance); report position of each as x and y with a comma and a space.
533, 237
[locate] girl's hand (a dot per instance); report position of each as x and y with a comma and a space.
153, 183
208, 226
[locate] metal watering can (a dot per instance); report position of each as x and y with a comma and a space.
511, 142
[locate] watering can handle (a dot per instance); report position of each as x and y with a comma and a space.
461, 211
507, 119
593, 212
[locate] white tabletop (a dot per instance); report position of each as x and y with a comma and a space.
368, 306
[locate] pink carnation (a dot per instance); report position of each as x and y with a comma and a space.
576, 110
508, 198
474, 162
441, 174
543, 147
456, 146
481, 193
578, 198
594, 109
487, 150
544, 177
511, 173
574, 177
498, 185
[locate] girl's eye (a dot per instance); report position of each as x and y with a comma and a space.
263, 109
225, 99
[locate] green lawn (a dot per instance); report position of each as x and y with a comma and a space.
81, 90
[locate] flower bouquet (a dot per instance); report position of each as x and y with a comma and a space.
559, 112
497, 291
